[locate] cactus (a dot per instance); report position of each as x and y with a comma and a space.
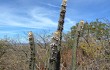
54, 61
32, 47
74, 54
61, 19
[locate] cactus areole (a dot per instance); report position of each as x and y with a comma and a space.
55, 46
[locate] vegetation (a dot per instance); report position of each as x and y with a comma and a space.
85, 47
94, 42
93, 50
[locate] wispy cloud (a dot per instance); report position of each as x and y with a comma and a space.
16, 21
68, 24
24, 15
37, 19
53, 5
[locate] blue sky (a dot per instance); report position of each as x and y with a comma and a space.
20, 16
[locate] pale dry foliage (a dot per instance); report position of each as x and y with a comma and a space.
15, 59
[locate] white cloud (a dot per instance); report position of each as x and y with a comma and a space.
53, 5
69, 21
68, 24
38, 19
42, 17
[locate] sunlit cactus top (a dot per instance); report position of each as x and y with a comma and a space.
81, 25
57, 34
82, 22
30, 33
64, 2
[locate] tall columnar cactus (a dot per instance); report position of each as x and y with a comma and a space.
77, 36
32, 47
61, 19
54, 62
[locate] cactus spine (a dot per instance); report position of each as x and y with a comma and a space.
32, 55
54, 62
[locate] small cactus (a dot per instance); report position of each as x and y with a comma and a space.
74, 54
32, 55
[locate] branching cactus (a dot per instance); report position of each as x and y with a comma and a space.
54, 62
32, 47
77, 36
